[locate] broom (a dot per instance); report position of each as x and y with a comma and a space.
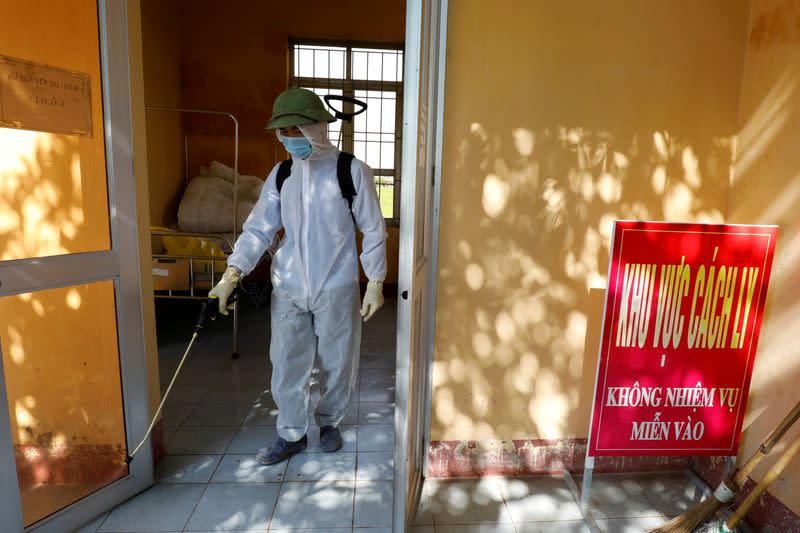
762, 485
708, 508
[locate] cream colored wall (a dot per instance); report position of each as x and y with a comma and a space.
140, 167
559, 118
766, 190
161, 43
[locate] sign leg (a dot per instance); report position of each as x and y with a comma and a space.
587, 482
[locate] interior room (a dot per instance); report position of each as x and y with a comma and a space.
211, 74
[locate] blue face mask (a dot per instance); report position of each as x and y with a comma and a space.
297, 146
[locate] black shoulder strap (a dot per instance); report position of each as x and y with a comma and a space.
284, 171
345, 176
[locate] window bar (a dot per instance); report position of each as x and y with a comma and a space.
380, 132
398, 129
348, 135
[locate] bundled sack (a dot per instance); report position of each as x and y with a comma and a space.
207, 204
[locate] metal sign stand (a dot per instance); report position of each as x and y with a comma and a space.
583, 495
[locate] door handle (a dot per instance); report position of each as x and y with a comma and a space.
404, 294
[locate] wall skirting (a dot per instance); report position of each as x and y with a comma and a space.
539, 456
157, 441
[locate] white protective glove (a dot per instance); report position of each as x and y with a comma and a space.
225, 287
373, 299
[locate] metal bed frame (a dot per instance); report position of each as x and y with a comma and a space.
224, 239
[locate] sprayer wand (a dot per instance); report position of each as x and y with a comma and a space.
208, 314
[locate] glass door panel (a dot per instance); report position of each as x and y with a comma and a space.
53, 192
61, 367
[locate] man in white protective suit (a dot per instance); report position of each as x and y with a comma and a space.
319, 197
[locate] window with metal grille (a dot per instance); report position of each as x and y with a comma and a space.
374, 75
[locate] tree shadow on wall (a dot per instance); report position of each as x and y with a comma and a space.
522, 245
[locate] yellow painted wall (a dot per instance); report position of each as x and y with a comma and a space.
161, 42
766, 190
559, 118
140, 169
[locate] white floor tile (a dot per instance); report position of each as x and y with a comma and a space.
264, 399
250, 374
637, 524
235, 506
174, 413
377, 438
476, 528
314, 505
224, 414
245, 469
164, 507
373, 505
423, 529
618, 496
377, 374
671, 494
538, 499
376, 413
370, 360
316, 530
199, 440
184, 393
424, 514
565, 526
229, 393
262, 414
251, 439
92, 526
202, 376
351, 417
375, 466
186, 468
322, 467
468, 502
377, 391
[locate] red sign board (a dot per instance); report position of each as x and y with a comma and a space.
680, 330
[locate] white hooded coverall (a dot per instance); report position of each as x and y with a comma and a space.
316, 296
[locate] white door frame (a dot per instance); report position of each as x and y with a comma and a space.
405, 428
438, 143
120, 264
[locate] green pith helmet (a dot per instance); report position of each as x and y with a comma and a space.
296, 107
